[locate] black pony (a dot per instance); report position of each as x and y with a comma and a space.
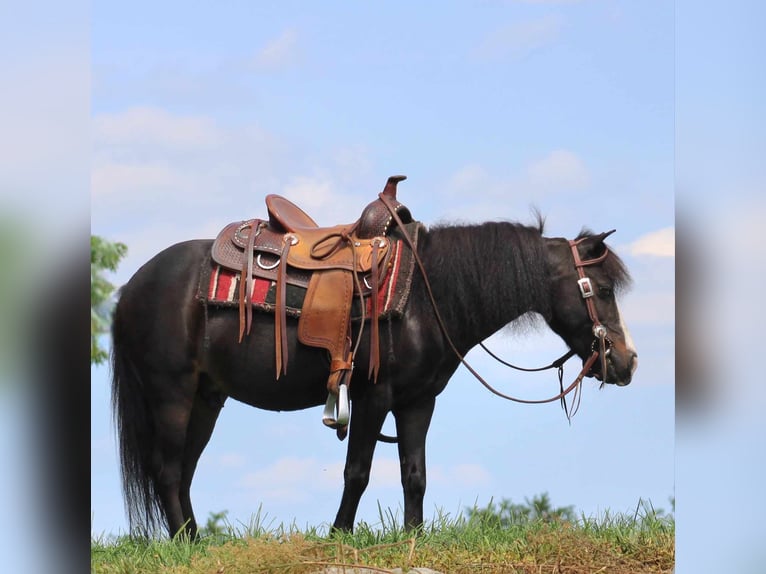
176, 361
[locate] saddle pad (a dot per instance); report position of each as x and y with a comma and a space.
220, 287
223, 290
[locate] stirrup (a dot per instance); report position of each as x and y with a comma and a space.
342, 403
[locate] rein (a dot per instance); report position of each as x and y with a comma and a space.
557, 364
587, 292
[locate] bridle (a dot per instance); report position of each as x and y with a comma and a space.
586, 290
599, 348
599, 330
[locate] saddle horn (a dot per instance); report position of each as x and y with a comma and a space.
390, 189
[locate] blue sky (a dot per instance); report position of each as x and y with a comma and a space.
200, 110
592, 109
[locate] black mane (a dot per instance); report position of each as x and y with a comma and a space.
462, 260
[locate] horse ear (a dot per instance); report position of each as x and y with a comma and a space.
594, 244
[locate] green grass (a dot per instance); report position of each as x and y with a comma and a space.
636, 543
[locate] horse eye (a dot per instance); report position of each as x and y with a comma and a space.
605, 292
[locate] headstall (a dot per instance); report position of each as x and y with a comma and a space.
587, 291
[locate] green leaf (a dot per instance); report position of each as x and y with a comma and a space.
104, 256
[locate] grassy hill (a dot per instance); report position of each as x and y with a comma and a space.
643, 542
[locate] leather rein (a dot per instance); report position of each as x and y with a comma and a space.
599, 348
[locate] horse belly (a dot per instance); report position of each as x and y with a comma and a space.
246, 371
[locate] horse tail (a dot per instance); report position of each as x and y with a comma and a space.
135, 429
389, 439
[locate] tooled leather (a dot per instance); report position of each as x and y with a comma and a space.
230, 246
323, 322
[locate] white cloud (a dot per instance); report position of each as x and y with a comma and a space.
320, 198
560, 170
519, 39
288, 478
280, 52
479, 194
135, 179
470, 179
153, 126
316, 195
385, 473
167, 167
295, 479
151, 166
661, 243
311, 192
150, 155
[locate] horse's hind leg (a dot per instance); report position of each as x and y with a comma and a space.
204, 414
172, 413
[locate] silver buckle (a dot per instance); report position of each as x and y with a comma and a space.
586, 287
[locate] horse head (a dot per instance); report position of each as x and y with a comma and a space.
586, 276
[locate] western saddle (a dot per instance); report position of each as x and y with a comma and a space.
334, 264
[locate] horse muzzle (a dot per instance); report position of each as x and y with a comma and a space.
623, 377
618, 372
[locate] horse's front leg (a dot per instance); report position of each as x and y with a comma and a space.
367, 416
412, 424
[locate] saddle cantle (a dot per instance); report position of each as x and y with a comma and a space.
334, 264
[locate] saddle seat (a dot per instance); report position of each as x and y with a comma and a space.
334, 263
285, 215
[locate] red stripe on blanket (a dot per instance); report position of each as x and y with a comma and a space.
260, 289
224, 286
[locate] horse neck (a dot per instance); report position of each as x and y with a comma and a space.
486, 276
